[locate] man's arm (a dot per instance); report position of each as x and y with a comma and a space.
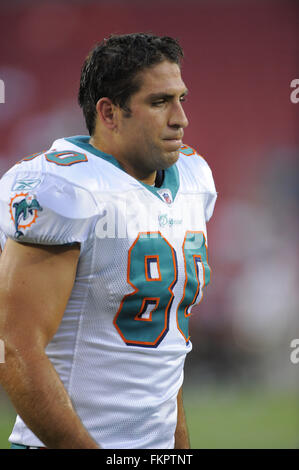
35, 285
181, 432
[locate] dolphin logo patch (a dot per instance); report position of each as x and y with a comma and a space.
23, 210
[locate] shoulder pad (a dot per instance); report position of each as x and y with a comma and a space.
198, 176
40, 207
188, 151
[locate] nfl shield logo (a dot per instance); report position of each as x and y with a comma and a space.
166, 195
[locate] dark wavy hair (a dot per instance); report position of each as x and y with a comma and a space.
111, 68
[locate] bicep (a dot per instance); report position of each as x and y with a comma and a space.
35, 284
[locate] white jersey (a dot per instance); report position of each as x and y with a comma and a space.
122, 342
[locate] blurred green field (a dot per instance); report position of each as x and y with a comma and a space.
243, 419
7, 419
221, 419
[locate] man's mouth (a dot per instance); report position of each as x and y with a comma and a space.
174, 142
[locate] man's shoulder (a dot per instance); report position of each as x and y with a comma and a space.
64, 161
193, 163
188, 155
196, 176
45, 199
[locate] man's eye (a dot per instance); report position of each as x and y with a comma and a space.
158, 103
183, 98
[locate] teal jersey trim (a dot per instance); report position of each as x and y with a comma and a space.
171, 175
18, 446
83, 142
171, 181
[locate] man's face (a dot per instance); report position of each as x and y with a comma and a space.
150, 138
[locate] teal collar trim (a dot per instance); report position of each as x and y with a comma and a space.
83, 142
171, 180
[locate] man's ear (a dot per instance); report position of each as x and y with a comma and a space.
107, 113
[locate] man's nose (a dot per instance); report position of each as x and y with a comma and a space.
178, 117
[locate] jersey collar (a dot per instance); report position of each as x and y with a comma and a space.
167, 191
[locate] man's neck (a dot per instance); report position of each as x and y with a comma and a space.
99, 145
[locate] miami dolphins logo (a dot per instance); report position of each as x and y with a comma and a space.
23, 210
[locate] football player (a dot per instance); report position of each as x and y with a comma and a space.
104, 255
